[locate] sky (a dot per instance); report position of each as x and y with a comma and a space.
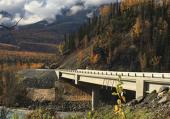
33, 11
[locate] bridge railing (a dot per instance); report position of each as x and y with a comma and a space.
118, 73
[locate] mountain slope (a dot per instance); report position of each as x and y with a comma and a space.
129, 36
42, 32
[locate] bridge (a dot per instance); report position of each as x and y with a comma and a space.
140, 82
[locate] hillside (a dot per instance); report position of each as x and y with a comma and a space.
128, 36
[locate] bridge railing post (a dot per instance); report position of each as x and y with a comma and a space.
140, 86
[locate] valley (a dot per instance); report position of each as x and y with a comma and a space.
107, 61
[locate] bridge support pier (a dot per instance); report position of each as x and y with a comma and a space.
140, 88
76, 79
95, 99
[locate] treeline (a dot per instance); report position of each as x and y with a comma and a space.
26, 57
129, 35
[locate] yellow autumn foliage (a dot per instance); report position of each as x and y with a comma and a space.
94, 58
61, 48
80, 56
125, 4
105, 10
137, 28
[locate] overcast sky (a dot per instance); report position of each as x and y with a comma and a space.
37, 10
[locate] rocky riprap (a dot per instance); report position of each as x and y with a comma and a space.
157, 103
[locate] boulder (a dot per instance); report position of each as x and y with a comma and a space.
160, 95
54, 66
132, 103
163, 89
150, 97
164, 99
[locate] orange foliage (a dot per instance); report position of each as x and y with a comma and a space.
80, 56
105, 10
143, 61
85, 40
94, 58
36, 65
22, 55
17, 60
18, 66
126, 4
137, 28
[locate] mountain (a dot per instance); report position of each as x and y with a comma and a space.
43, 33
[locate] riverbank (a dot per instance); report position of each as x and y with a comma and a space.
24, 113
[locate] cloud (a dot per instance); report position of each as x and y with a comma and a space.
12, 6
6, 20
90, 15
37, 10
91, 3
75, 9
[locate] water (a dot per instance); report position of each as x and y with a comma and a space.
10, 113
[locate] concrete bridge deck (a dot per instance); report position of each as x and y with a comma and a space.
141, 82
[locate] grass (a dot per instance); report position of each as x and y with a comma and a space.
142, 113
108, 113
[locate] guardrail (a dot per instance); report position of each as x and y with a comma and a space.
118, 73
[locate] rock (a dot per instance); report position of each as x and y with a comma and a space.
47, 67
160, 95
54, 66
140, 99
16, 104
150, 97
133, 102
164, 99
29, 107
154, 91
163, 89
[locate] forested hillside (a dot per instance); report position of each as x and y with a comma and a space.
133, 35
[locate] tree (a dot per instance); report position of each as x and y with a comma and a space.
85, 41
61, 48
11, 28
137, 28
